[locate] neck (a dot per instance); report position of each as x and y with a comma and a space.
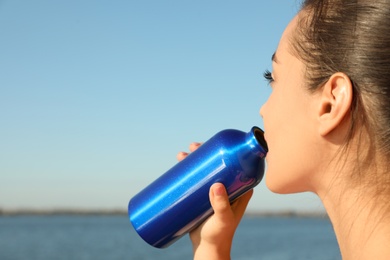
360, 223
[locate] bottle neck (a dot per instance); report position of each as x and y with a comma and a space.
255, 140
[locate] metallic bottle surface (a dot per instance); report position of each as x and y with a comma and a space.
178, 201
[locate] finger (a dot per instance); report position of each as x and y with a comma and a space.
240, 205
194, 146
180, 156
219, 201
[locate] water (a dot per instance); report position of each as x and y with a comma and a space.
112, 237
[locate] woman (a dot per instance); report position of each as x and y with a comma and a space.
327, 124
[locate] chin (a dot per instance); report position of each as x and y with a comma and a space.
275, 187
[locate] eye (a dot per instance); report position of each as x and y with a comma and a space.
268, 76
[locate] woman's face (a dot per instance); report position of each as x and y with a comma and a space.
289, 123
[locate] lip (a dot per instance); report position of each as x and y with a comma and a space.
266, 143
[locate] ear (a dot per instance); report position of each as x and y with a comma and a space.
335, 102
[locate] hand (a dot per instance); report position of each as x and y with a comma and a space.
213, 239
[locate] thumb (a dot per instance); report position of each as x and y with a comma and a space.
220, 201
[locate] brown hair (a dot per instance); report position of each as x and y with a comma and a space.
351, 36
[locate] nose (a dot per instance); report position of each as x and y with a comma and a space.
261, 112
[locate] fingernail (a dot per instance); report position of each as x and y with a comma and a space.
195, 144
219, 190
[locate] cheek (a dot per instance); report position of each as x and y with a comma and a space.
284, 125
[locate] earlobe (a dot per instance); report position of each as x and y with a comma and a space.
335, 102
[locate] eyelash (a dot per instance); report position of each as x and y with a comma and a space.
268, 76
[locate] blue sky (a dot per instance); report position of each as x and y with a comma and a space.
97, 97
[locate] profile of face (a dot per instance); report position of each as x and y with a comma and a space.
289, 123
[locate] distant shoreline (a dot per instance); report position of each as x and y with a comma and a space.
119, 212
53, 212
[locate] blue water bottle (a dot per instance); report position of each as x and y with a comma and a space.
178, 201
